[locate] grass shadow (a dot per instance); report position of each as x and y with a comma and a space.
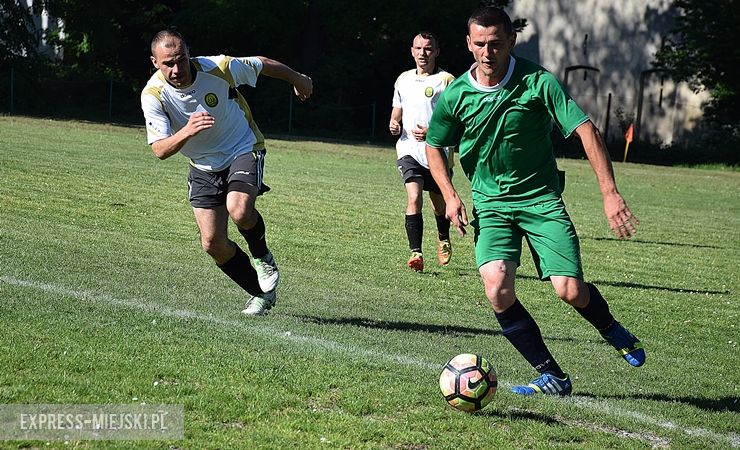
722, 404
520, 414
658, 288
444, 330
639, 241
399, 325
626, 284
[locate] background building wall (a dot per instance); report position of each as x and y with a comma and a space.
618, 40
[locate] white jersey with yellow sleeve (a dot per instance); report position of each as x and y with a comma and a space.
167, 110
417, 96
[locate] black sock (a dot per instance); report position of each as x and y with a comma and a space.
414, 231
443, 227
255, 237
239, 268
522, 331
597, 311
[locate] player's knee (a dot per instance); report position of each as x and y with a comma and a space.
414, 202
215, 247
499, 296
245, 216
498, 281
573, 292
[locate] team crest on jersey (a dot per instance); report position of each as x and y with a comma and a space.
211, 99
429, 91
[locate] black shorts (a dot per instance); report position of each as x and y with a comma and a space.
411, 170
209, 189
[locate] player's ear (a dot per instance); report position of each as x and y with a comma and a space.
154, 61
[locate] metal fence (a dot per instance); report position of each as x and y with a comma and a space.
274, 106
662, 114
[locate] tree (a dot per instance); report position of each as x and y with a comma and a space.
703, 51
109, 38
17, 33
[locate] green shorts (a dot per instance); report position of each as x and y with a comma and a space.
546, 226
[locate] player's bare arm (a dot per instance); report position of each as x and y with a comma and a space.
455, 209
621, 220
302, 84
395, 123
164, 148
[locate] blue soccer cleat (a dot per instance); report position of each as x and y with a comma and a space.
626, 344
546, 383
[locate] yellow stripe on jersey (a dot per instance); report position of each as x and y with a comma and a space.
222, 71
155, 90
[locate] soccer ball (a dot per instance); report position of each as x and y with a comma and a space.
468, 382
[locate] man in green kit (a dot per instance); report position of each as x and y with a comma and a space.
501, 113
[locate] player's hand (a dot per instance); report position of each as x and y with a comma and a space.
621, 220
394, 127
420, 133
198, 122
455, 212
303, 88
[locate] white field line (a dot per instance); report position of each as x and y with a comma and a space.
247, 325
250, 326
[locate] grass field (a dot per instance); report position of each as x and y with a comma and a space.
106, 297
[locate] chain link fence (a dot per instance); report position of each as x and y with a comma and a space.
274, 106
667, 124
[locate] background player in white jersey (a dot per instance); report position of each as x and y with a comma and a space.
192, 106
415, 95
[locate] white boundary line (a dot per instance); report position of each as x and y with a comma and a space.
733, 439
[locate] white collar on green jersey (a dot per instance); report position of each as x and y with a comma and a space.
500, 84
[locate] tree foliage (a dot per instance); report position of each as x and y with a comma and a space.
109, 38
353, 50
18, 39
703, 50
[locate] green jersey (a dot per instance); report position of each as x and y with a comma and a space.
503, 133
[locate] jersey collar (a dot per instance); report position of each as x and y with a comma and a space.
500, 85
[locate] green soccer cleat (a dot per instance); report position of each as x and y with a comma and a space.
259, 305
267, 272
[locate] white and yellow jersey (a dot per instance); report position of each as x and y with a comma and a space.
417, 96
167, 110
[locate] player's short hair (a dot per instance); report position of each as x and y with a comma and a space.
429, 36
165, 34
489, 16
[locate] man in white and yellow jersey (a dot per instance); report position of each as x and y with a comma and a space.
191, 106
415, 95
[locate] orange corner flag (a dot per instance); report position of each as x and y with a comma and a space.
628, 137
630, 132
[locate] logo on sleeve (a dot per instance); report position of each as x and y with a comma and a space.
211, 99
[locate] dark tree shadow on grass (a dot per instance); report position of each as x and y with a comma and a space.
520, 414
659, 288
626, 284
444, 330
639, 241
722, 404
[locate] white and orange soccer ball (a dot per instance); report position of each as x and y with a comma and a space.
468, 382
